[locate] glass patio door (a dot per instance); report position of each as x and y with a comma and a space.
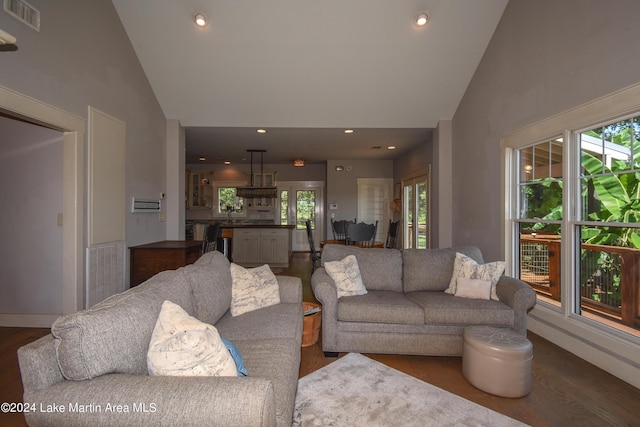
299, 202
416, 233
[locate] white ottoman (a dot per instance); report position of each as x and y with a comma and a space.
497, 360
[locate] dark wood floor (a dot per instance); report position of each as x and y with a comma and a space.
567, 391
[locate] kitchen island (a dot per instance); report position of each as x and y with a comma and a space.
254, 243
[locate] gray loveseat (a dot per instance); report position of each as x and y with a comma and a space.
102, 352
405, 309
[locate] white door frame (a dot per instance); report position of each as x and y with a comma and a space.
299, 240
73, 128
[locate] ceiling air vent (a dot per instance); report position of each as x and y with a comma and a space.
24, 12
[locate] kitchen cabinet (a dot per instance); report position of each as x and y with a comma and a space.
274, 245
199, 190
258, 246
265, 179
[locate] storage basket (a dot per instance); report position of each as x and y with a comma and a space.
311, 325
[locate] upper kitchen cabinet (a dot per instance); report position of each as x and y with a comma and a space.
264, 179
199, 189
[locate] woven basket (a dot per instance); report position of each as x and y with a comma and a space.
311, 325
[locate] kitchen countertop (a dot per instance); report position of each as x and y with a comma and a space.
244, 225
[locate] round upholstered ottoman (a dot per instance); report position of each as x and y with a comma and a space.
497, 360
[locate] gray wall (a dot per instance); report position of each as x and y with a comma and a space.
342, 186
545, 57
31, 194
82, 57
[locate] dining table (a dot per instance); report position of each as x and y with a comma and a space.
378, 245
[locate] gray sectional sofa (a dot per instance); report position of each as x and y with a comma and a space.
102, 353
405, 309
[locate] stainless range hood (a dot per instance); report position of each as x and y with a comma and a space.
257, 192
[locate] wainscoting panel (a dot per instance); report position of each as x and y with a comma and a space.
105, 271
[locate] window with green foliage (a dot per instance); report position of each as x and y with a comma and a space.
284, 207
588, 186
228, 202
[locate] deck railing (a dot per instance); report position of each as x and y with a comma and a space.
609, 276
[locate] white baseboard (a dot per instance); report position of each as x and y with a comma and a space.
28, 320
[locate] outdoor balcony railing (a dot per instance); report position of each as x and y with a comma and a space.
609, 276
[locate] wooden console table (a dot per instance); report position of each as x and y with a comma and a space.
152, 258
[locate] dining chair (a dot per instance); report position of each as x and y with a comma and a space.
210, 239
392, 234
315, 257
339, 229
361, 234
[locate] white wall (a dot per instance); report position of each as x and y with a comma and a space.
31, 194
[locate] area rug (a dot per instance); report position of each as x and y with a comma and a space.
358, 391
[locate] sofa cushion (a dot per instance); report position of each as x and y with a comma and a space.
253, 289
469, 268
210, 279
431, 269
283, 320
380, 307
274, 359
381, 269
427, 269
346, 275
113, 336
182, 345
445, 309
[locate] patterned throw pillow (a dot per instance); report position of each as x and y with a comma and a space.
252, 289
466, 267
182, 345
473, 288
346, 274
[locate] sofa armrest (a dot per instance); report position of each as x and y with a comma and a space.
290, 289
141, 400
324, 289
520, 297
38, 364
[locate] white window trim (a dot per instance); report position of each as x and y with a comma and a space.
605, 347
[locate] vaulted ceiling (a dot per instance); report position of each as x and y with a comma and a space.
306, 70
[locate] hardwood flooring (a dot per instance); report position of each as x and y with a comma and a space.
567, 391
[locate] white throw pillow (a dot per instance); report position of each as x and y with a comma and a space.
466, 267
253, 288
346, 274
473, 288
182, 345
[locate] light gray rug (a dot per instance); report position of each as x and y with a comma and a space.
358, 391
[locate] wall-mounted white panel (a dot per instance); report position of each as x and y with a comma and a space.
107, 178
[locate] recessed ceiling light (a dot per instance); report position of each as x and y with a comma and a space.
391, 147
261, 131
202, 159
200, 19
348, 131
422, 19
227, 162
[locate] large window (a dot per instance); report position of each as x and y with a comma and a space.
576, 227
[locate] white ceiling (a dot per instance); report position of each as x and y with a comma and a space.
305, 70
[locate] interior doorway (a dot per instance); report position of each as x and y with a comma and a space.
72, 129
